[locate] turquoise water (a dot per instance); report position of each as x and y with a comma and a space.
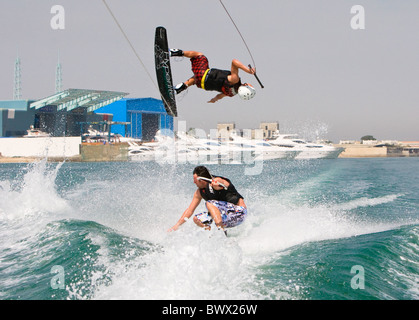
322, 229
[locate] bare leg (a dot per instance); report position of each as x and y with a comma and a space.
192, 54
190, 82
200, 224
184, 85
215, 214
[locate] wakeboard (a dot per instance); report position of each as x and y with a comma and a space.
163, 71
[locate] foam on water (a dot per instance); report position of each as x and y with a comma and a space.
34, 195
27, 204
136, 203
192, 264
366, 202
276, 227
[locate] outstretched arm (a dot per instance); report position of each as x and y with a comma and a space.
188, 212
235, 66
217, 97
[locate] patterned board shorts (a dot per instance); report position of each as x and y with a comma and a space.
199, 66
231, 214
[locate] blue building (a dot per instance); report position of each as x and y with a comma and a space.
70, 112
15, 117
58, 115
145, 115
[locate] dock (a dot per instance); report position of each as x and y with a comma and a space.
58, 149
72, 149
379, 150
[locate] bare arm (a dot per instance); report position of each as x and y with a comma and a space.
217, 181
217, 97
216, 185
189, 211
235, 66
241, 203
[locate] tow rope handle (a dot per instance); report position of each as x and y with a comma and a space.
260, 83
210, 180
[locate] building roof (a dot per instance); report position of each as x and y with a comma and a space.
75, 98
15, 104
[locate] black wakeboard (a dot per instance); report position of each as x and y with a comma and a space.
163, 71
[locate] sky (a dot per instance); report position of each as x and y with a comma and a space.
323, 78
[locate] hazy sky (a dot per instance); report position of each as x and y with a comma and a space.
321, 76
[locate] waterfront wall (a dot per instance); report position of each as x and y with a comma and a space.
104, 152
362, 151
50, 147
368, 151
71, 149
60, 149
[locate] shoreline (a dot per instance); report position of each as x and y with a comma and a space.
79, 159
38, 159
72, 149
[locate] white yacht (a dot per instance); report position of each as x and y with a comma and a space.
35, 133
263, 150
140, 152
93, 135
200, 150
185, 148
307, 150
